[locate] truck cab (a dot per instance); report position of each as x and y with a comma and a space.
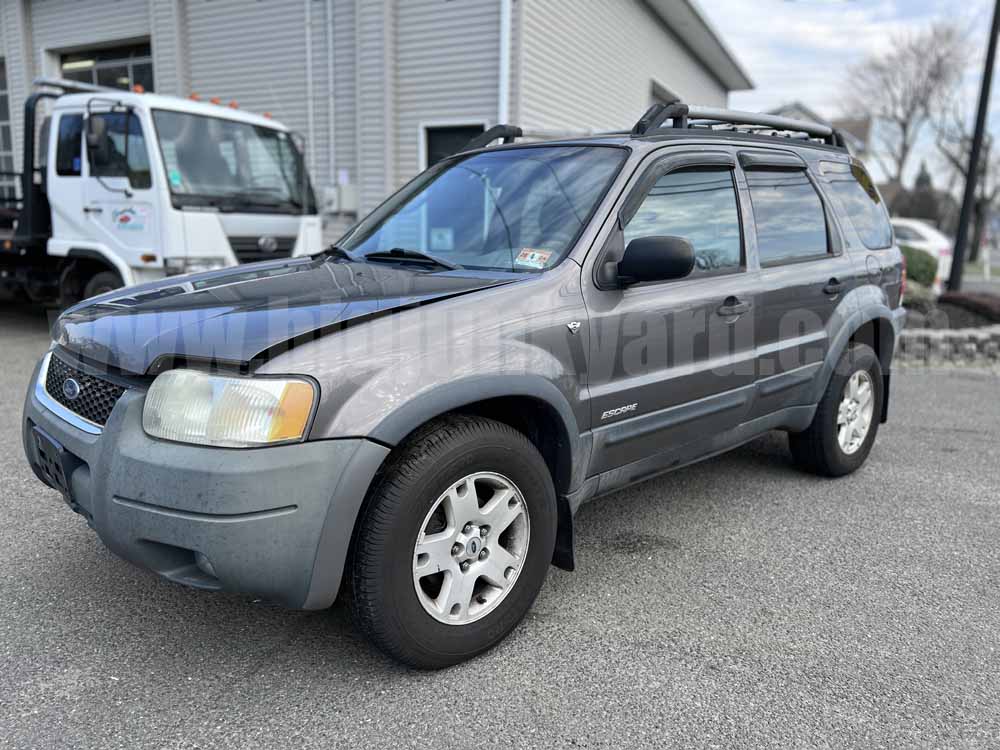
131, 187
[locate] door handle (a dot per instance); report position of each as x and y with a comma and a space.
93, 210
833, 287
732, 306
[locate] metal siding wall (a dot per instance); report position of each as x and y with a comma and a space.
373, 45
169, 47
58, 24
590, 64
447, 61
15, 27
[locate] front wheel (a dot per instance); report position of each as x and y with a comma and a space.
102, 283
454, 542
842, 432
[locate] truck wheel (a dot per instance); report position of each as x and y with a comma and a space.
101, 283
454, 542
846, 422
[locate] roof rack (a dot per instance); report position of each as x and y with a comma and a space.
507, 132
683, 115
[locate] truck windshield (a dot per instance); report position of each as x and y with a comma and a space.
516, 209
211, 161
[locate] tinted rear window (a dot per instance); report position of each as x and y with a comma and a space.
789, 215
859, 200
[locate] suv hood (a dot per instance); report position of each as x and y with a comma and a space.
236, 315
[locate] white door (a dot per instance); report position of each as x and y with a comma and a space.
119, 196
64, 183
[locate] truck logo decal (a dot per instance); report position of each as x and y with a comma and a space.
267, 244
129, 219
619, 411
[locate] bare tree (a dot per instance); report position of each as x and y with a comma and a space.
954, 142
904, 88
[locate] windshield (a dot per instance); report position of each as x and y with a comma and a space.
232, 165
503, 210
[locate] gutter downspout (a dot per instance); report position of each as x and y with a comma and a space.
331, 91
503, 97
310, 114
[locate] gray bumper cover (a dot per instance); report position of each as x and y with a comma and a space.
272, 522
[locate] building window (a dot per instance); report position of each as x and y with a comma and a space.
115, 67
442, 142
8, 179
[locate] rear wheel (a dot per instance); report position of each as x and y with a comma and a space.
102, 282
846, 422
454, 542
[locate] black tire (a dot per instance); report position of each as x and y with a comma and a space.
101, 283
384, 601
817, 449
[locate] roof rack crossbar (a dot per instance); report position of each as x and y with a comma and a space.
683, 115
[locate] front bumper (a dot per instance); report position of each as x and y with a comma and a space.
273, 522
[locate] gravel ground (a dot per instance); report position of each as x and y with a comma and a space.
734, 603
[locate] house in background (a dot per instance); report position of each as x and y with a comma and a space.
856, 131
378, 88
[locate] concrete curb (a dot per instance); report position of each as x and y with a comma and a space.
958, 346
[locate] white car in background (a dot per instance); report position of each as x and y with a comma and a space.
922, 236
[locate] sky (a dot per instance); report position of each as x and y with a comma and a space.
801, 49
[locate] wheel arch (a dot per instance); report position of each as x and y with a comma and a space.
532, 406
81, 265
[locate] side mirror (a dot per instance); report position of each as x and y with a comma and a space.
655, 259
97, 141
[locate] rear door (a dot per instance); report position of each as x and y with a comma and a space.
804, 274
672, 362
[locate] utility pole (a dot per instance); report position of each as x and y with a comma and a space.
969, 199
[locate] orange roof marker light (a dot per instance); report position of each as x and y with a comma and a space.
194, 97
215, 100
234, 105
139, 88
267, 115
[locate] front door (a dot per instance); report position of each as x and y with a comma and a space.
118, 192
673, 362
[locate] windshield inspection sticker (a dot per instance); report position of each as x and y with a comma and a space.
442, 239
175, 178
529, 258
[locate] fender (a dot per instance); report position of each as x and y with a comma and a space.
452, 396
102, 255
867, 312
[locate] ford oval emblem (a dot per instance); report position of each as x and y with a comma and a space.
267, 244
71, 389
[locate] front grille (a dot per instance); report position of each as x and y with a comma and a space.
249, 249
97, 396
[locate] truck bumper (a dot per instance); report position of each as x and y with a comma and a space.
271, 522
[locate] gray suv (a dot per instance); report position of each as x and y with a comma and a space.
414, 416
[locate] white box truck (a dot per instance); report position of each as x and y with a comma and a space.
123, 187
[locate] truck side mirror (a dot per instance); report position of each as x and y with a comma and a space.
97, 141
655, 259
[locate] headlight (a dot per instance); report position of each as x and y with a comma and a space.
189, 406
176, 266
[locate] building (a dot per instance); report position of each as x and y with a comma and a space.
855, 130
378, 88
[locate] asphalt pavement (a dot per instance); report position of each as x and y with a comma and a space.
737, 602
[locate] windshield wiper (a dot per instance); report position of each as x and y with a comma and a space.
397, 254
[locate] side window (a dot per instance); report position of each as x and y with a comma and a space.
906, 234
68, 145
699, 205
123, 151
858, 198
789, 215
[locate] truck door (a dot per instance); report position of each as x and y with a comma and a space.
118, 195
64, 184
